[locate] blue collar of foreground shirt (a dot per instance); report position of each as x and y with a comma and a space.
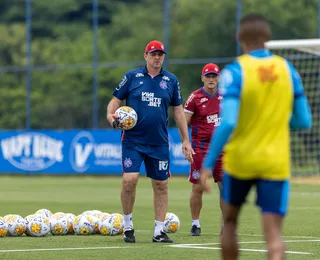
260, 53
145, 71
207, 94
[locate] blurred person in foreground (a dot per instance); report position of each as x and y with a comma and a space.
202, 110
149, 90
263, 98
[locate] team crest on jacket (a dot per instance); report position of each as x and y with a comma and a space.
195, 174
127, 163
163, 84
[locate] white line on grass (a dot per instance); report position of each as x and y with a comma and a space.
63, 249
218, 234
205, 246
253, 235
241, 249
247, 242
315, 193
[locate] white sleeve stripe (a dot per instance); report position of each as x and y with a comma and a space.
188, 111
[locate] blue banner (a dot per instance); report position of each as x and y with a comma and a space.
72, 152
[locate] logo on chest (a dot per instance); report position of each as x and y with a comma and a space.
204, 99
163, 84
213, 119
151, 99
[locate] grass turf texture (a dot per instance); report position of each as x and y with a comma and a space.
24, 195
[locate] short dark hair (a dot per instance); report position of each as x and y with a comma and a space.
254, 28
253, 17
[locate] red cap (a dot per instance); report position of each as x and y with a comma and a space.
210, 68
154, 46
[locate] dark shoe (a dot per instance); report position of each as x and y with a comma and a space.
128, 235
195, 231
162, 238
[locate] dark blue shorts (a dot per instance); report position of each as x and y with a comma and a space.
155, 158
272, 195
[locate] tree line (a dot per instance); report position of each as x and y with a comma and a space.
62, 36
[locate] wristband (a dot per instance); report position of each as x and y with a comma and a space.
116, 123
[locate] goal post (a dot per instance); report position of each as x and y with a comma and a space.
305, 144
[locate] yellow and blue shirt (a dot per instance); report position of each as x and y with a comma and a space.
259, 91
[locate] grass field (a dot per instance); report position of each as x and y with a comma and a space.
24, 195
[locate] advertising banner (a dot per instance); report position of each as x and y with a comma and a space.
95, 152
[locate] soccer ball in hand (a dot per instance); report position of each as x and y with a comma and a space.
127, 116
171, 223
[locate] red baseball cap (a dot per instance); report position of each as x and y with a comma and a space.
154, 46
210, 68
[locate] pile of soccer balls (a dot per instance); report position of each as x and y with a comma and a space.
43, 222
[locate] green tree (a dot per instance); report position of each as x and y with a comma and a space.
62, 35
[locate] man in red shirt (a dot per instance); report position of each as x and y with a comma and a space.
202, 110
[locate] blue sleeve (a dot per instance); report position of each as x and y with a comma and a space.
122, 90
229, 120
296, 81
230, 81
176, 97
301, 115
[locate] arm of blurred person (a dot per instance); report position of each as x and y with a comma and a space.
229, 119
301, 115
179, 117
230, 89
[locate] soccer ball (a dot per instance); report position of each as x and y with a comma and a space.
94, 217
59, 224
44, 213
171, 223
58, 215
16, 225
96, 213
70, 218
27, 220
120, 217
104, 215
127, 116
87, 212
111, 226
3, 227
38, 226
95, 221
82, 225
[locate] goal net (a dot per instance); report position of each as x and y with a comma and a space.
305, 144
